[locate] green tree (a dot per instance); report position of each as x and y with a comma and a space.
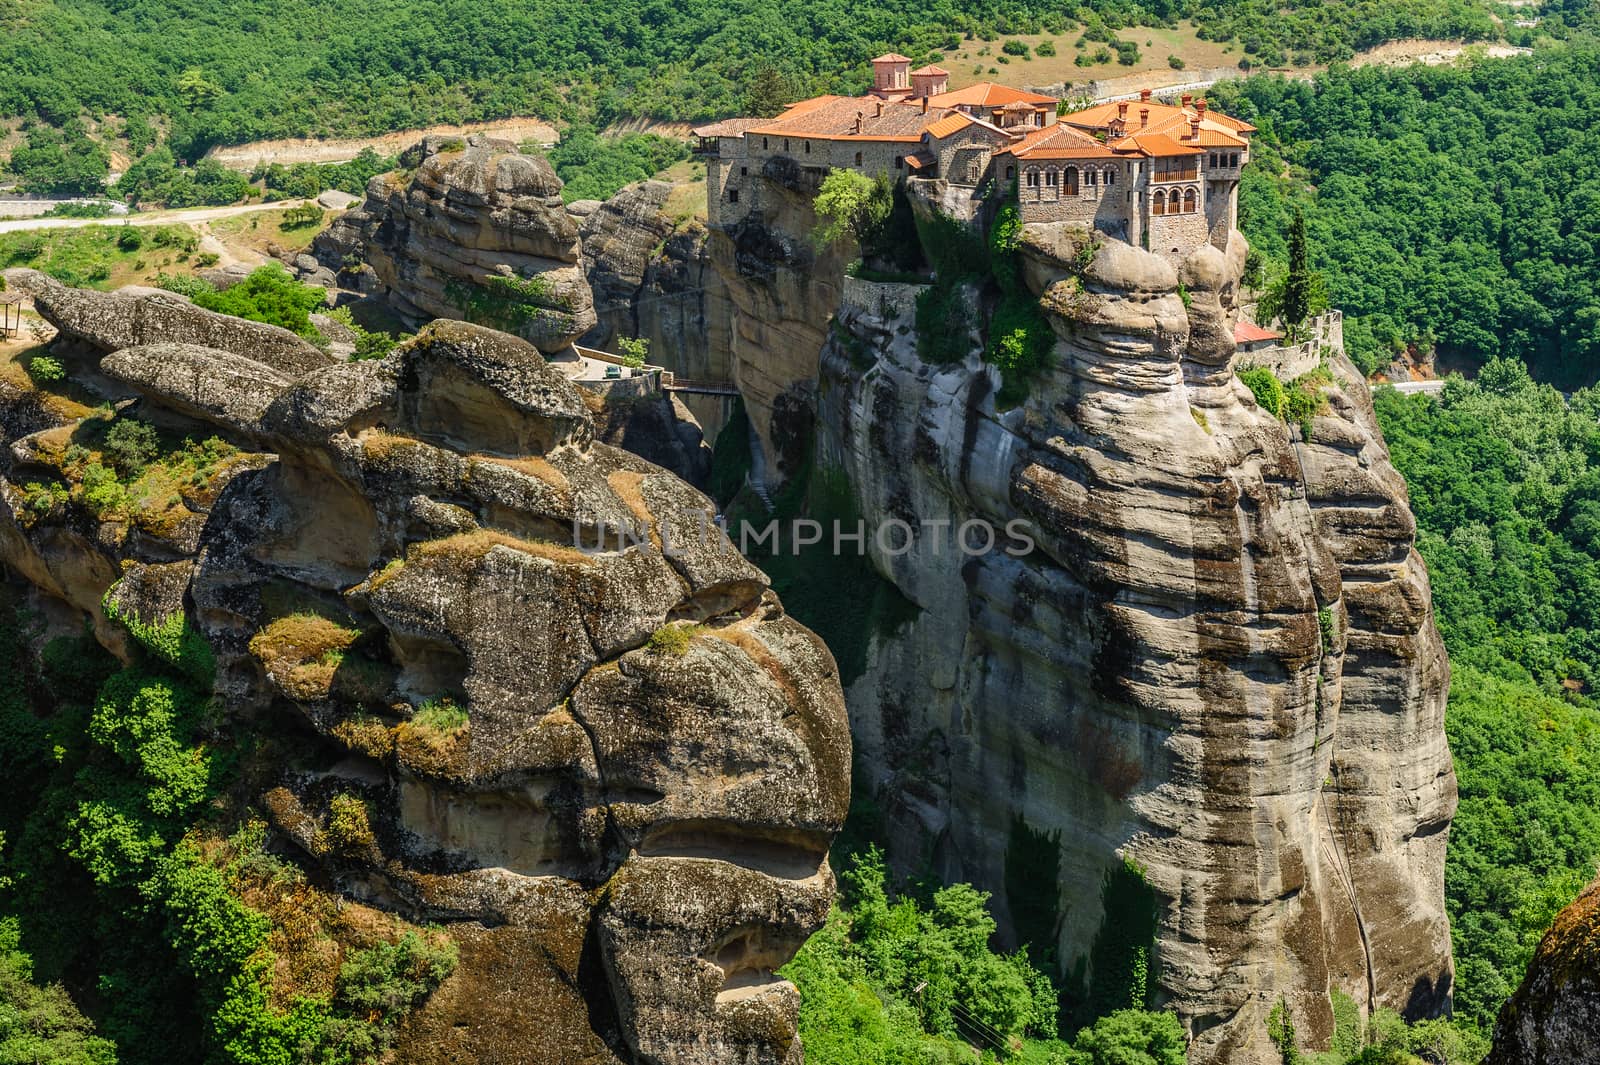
1130, 1037
1297, 282
850, 204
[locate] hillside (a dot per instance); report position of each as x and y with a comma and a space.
204, 73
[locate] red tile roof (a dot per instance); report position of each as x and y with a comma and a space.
892, 57
930, 71
728, 127
987, 94
1059, 142
834, 118
1248, 333
954, 122
1155, 145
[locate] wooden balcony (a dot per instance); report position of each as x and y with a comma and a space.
1190, 174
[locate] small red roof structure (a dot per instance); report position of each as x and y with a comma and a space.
930, 72
1249, 333
892, 57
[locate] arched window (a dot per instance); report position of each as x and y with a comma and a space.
858, 158
1033, 178
807, 146
899, 161
786, 144
1190, 202
1158, 204
1072, 181
764, 144
1091, 177
1111, 175
1011, 173
1050, 179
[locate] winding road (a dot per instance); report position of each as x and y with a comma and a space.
149, 218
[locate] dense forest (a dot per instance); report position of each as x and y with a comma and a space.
209, 73
1505, 483
1452, 208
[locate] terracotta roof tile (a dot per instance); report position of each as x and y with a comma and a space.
1059, 142
987, 94
1248, 333
834, 118
1155, 144
930, 71
728, 127
951, 123
892, 57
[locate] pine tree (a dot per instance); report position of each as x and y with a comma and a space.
1297, 289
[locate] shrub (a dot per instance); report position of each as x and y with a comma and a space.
1176, 62
1046, 47
349, 827
129, 238
443, 714
43, 368
1266, 387
131, 445
672, 640
1017, 48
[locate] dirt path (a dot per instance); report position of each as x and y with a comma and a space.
188, 216
308, 150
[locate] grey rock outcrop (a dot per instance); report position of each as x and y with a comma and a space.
1555, 1015
130, 317
1217, 660
473, 229
628, 834
652, 278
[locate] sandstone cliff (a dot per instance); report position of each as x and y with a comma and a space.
652, 278
781, 292
470, 229
1554, 1017
626, 832
1218, 662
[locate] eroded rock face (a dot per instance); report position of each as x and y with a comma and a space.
1217, 661
628, 834
652, 278
1555, 1014
781, 292
128, 317
471, 229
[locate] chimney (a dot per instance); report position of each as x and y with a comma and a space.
924, 105
1122, 110
879, 113
1194, 127
1187, 98
1200, 106
1144, 117
1144, 95
861, 116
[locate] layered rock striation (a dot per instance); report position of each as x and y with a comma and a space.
625, 832
1204, 667
652, 278
472, 229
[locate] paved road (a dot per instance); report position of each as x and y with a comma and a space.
1431, 388
151, 218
